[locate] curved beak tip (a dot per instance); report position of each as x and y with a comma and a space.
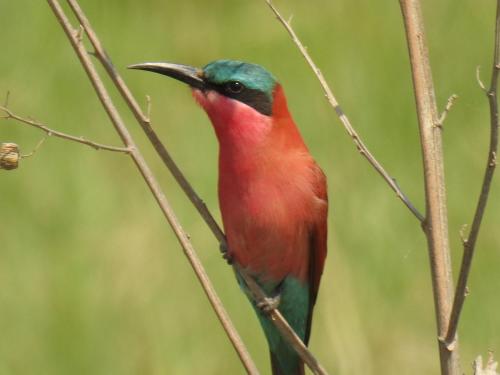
184, 73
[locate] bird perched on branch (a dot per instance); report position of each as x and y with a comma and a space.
272, 194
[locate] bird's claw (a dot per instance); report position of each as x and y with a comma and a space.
269, 304
225, 253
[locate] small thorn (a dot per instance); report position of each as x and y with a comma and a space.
463, 237
478, 78
6, 102
79, 34
493, 161
148, 109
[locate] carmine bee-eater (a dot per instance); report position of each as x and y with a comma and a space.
272, 194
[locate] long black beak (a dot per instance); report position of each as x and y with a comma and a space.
184, 73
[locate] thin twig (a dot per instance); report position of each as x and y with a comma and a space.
436, 223
51, 132
363, 150
153, 185
37, 147
145, 122
449, 104
470, 243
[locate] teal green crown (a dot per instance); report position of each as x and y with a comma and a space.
253, 76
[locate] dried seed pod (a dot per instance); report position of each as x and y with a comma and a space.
9, 156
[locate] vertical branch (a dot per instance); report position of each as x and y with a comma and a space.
470, 242
436, 223
74, 37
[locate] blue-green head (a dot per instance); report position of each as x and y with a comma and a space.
245, 82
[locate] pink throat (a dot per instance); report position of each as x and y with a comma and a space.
237, 125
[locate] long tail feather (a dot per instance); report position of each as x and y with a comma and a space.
276, 369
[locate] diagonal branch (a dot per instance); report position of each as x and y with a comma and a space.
144, 121
363, 150
74, 37
51, 132
470, 242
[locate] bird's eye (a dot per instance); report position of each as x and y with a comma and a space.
234, 87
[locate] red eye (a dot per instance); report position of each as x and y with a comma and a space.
234, 87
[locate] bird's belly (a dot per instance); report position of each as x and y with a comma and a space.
267, 229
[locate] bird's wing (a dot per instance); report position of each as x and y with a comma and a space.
317, 246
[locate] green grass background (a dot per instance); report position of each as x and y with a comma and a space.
92, 281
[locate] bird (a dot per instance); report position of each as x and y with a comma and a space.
272, 194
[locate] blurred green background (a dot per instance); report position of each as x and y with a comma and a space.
92, 281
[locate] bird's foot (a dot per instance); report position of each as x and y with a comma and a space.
269, 304
225, 253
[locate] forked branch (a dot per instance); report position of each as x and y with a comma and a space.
51, 132
436, 223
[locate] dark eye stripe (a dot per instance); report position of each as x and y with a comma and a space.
256, 99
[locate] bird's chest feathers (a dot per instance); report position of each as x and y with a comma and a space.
267, 206
265, 191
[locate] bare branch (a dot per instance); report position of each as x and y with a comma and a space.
470, 243
145, 122
51, 132
363, 150
152, 184
436, 223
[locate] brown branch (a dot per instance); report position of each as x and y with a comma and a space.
469, 243
435, 225
51, 132
145, 123
361, 147
73, 36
